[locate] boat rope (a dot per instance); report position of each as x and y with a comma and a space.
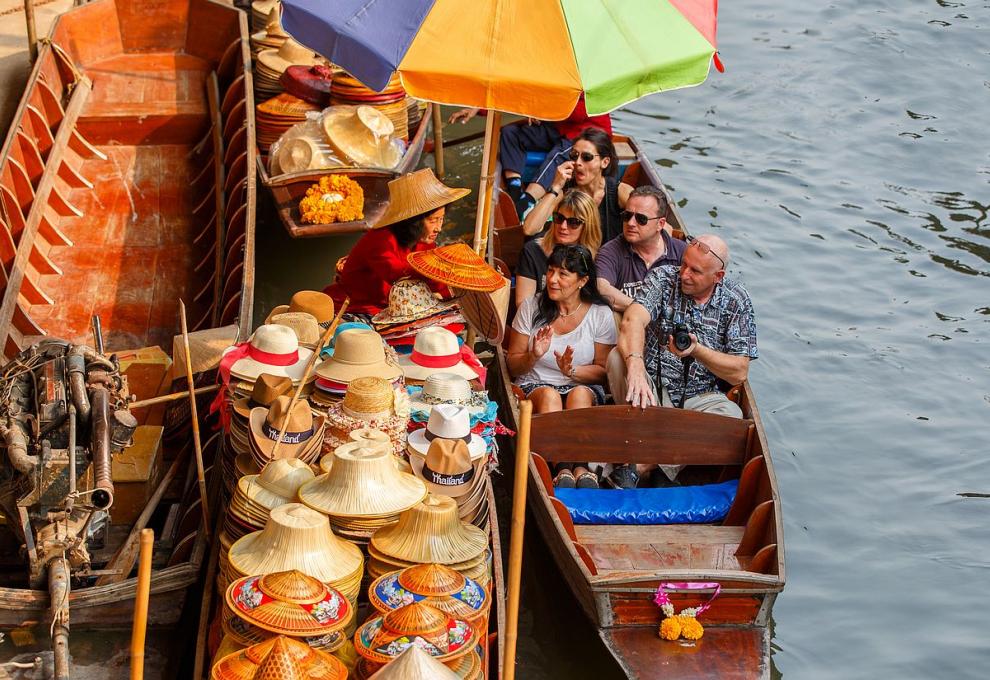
77, 75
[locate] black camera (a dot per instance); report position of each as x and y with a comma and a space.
682, 336
679, 330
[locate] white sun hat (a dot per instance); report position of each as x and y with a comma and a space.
272, 349
436, 350
446, 422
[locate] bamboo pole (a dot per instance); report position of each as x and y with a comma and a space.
517, 529
202, 635
140, 625
309, 371
438, 139
194, 416
32, 31
174, 396
489, 161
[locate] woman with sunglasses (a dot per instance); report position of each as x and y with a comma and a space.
574, 221
592, 168
559, 343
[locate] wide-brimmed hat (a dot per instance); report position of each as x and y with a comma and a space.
357, 354
417, 193
361, 134
369, 403
267, 388
301, 428
314, 302
435, 584
448, 468
289, 603
280, 658
289, 53
342, 328
277, 484
447, 388
382, 638
303, 324
271, 349
297, 155
456, 265
414, 664
409, 300
435, 350
447, 421
486, 312
431, 531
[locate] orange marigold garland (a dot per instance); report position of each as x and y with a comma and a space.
335, 198
685, 624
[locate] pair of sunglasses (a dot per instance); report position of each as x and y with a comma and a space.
641, 219
704, 248
585, 156
572, 222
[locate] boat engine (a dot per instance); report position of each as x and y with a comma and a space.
63, 414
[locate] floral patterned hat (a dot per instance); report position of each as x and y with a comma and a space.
409, 300
383, 638
289, 603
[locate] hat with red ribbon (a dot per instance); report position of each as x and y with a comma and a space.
436, 350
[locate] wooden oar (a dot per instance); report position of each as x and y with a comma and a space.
517, 529
310, 365
140, 626
194, 416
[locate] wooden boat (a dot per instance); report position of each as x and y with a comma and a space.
126, 183
287, 190
614, 570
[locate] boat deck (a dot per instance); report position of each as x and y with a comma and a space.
656, 547
724, 652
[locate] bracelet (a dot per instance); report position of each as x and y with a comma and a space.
553, 191
633, 355
572, 374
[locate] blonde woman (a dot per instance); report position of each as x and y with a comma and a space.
574, 222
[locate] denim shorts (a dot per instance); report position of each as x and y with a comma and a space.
564, 390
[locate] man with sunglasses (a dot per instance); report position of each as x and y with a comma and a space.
645, 244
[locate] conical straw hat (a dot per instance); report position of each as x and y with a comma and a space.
382, 638
436, 585
242, 634
414, 664
363, 482
296, 537
431, 532
280, 658
417, 193
456, 265
289, 603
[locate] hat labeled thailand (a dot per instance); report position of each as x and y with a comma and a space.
312, 302
417, 193
383, 638
409, 300
303, 324
448, 388
266, 389
288, 54
271, 349
434, 584
280, 658
456, 265
363, 482
435, 350
447, 421
300, 428
361, 134
289, 603
431, 532
358, 354
448, 468
277, 484
414, 664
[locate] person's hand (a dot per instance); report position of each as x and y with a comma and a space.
533, 121
565, 360
639, 389
541, 341
686, 353
563, 175
463, 116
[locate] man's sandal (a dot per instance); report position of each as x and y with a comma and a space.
587, 480
564, 480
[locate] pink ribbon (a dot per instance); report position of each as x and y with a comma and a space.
661, 598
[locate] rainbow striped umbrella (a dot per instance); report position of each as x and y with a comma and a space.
531, 57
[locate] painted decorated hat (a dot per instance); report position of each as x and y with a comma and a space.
280, 658
289, 603
409, 300
431, 532
382, 638
436, 585
456, 265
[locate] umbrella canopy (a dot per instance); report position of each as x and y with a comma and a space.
533, 58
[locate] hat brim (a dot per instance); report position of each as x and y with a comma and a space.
332, 369
478, 278
391, 216
417, 404
385, 317
249, 369
417, 372
418, 444
266, 445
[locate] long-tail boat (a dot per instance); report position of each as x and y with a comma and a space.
614, 570
126, 183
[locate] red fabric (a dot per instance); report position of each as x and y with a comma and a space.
374, 264
579, 119
431, 361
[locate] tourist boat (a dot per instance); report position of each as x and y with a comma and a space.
287, 190
614, 570
126, 183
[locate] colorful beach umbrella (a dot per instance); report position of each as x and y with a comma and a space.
530, 57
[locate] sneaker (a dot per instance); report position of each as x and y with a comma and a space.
623, 477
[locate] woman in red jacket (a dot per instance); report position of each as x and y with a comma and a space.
412, 222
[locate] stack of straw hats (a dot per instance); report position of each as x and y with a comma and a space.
270, 37
237, 459
363, 491
280, 658
303, 429
431, 533
273, 62
261, 10
276, 115
295, 537
361, 135
414, 664
390, 102
313, 302
311, 83
257, 495
436, 585
357, 353
449, 469
369, 403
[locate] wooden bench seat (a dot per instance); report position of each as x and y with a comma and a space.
655, 547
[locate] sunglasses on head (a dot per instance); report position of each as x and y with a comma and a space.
572, 222
585, 156
641, 219
704, 248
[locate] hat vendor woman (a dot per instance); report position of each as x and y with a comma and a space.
411, 223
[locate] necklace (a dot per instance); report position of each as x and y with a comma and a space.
573, 311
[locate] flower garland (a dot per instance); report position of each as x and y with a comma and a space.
335, 198
685, 624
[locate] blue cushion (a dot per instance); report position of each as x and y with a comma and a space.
673, 505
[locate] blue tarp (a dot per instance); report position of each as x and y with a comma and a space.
674, 505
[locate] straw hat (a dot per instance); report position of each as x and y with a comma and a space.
312, 302
446, 422
341, 328
363, 482
266, 389
280, 658
456, 265
431, 532
288, 54
408, 300
277, 484
298, 154
271, 349
303, 324
289, 603
369, 403
447, 388
438, 586
383, 638
417, 193
435, 350
486, 312
239, 634
361, 134
300, 428
414, 664
448, 468
357, 354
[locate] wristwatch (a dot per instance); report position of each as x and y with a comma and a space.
573, 373
553, 191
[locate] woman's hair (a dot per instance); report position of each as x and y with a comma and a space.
603, 144
576, 259
408, 231
582, 206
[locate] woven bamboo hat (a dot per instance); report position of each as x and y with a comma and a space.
277, 484
414, 664
266, 389
431, 532
288, 54
358, 353
303, 324
438, 586
362, 135
444, 638
312, 302
417, 193
363, 482
289, 603
303, 432
456, 265
280, 658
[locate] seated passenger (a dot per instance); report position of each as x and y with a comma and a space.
575, 221
648, 369
592, 169
553, 137
559, 343
645, 245
411, 222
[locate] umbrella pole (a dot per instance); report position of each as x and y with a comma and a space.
438, 139
517, 528
489, 161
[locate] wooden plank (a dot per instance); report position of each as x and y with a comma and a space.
658, 533
213, 96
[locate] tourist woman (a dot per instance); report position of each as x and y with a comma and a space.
559, 344
592, 168
412, 222
574, 221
